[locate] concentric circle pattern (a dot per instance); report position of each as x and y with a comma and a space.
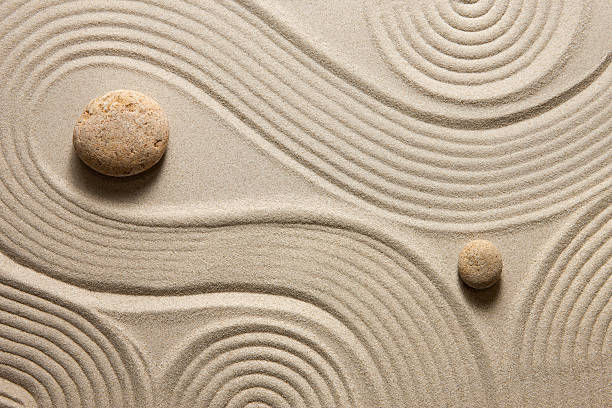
52, 356
476, 51
413, 340
261, 361
279, 361
566, 312
410, 333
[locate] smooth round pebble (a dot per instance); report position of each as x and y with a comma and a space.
121, 133
480, 264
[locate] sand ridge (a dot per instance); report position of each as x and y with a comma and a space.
480, 120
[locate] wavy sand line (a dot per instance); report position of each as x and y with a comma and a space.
506, 51
396, 165
267, 350
447, 115
398, 320
414, 328
63, 356
369, 182
565, 311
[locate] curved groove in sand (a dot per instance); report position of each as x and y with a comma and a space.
181, 252
59, 356
510, 49
272, 354
429, 179
406, 315
15, 396
323, 56
415, 329
566, 312
383, 303
419, 167
397, 317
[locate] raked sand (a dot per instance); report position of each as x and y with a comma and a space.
298, 243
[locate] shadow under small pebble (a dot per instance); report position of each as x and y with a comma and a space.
112, 188
480, 297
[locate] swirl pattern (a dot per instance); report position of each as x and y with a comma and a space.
403, 319
53, 356
565, 316
318, 123
478, 50
297, 357
317, 304
412, 341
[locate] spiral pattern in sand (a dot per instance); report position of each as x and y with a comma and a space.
54, 355
478, 50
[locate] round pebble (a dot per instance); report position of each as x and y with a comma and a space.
480, 264
121, 133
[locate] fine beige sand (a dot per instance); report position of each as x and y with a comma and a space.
297, 245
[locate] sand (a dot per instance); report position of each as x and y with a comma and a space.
298, 243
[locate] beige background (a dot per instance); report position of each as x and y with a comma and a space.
298, 243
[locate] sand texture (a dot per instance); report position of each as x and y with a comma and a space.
297, 245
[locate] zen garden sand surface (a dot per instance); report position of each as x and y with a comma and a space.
299, 241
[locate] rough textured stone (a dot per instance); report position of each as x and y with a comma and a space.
121, 133
480, 264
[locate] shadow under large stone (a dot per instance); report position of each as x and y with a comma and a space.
480, 297
105, 187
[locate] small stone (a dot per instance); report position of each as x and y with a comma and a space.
480, 264
121, 133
